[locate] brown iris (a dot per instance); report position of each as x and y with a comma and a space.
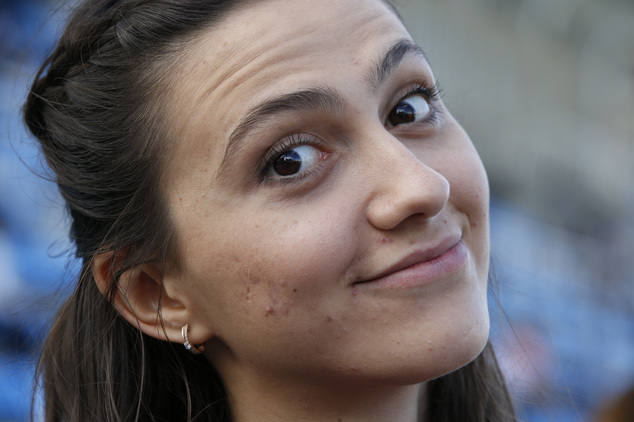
288, 163
402, 113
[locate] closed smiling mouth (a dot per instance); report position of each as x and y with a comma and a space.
422, 266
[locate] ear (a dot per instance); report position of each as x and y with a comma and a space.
140, 296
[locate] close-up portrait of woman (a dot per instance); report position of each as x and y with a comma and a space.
277, 219
274, 214
278, 210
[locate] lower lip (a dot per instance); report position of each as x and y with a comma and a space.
424, 273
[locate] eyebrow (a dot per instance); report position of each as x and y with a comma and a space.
318, 98
391, 61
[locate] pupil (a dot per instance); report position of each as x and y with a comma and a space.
403, 113
289, 163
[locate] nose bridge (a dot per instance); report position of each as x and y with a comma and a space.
402, 184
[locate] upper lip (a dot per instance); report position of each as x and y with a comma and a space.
417, 257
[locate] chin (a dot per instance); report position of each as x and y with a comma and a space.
464, 348
427, 362
465, 344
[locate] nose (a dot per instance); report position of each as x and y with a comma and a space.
403, 186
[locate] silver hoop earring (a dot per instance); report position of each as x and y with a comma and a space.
194, 349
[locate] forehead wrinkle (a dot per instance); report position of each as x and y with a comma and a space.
245, 54
233, 75
249, 60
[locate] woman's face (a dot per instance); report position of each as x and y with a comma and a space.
332, 216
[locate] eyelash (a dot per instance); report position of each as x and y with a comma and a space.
276, 151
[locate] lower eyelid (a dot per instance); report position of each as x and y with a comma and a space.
429, 123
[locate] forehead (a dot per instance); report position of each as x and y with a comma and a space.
270, 47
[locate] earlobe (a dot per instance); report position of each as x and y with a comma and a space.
140, 297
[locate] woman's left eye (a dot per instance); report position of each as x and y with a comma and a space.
294, 161
411, 109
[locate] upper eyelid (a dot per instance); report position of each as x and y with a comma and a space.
285, 144
433, 90
289, 142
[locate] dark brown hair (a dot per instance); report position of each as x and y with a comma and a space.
96, 107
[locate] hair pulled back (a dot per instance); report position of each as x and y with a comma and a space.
97, 107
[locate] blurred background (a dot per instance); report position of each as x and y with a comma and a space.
545, 88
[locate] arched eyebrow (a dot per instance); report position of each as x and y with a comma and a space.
391, 61
319, 98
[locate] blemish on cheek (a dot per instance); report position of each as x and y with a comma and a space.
269, 310
355, 291
385, 240
328, 319
294, 290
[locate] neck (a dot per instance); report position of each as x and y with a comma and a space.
269, 400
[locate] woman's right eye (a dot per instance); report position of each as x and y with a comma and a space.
294, 161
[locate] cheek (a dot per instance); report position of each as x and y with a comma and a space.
468, 180
461, 166
470, 193
267, 286
256, 266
